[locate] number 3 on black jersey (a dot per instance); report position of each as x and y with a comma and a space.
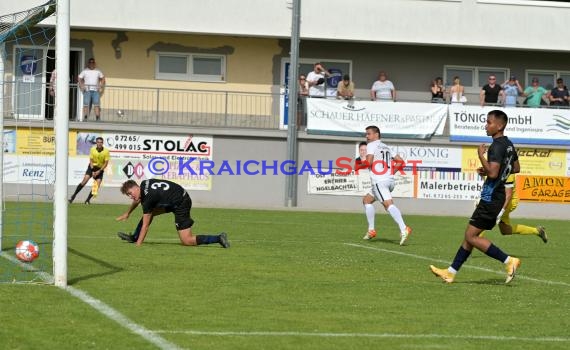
157, 185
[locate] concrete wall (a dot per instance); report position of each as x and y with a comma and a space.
521, 24
256, 64
129, 58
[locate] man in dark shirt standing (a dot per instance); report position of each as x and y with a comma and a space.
501, 159
490, 92
158, 197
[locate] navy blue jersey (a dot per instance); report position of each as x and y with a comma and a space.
501, 151
156, 193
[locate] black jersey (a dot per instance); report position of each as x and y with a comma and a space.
492, 93
501, 151
156, 193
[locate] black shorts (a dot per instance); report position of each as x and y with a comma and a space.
90, 171
181, 212
485, 215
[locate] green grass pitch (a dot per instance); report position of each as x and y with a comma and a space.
291, 280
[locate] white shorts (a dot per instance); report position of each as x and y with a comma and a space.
382, 190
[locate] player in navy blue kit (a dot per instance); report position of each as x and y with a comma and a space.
501, 158
158, 197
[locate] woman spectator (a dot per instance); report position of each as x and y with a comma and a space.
456, 91
303, 92
437, 91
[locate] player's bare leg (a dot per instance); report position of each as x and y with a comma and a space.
186, 237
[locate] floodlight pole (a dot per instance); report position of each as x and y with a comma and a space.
61, 125
291, 180
2, 50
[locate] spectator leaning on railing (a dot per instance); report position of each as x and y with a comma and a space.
491, 92
559, 94
383, 89
534, 94
345, 89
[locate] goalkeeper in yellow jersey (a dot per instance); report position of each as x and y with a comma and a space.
511, 203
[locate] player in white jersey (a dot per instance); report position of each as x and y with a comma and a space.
382, 168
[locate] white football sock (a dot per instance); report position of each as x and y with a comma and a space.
397, 216
369, 210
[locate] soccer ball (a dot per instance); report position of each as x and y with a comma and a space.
27, 251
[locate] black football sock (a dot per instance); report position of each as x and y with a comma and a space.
207, 239
460, 257
77, 190
496, 253
138, 230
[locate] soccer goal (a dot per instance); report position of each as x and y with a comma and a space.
34, 136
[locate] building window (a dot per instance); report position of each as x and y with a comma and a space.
473, 78
547, 78
190, 67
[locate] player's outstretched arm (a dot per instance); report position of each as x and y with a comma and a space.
126, 215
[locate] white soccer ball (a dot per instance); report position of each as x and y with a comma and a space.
27, 251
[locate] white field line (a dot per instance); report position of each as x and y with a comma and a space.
366, 335
421, 257
124, 321
519, 276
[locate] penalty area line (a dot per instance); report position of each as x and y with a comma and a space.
421, 257
114, 315
364, 335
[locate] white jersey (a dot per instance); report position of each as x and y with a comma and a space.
91, 78
316, 90
383, 89
382, 164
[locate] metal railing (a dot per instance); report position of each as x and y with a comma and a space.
190, 107
155, 106
159, 106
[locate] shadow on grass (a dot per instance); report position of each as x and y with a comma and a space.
111, 269
385, 240
160, 242
492, 281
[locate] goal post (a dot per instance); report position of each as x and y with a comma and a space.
61, 122
34, 186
